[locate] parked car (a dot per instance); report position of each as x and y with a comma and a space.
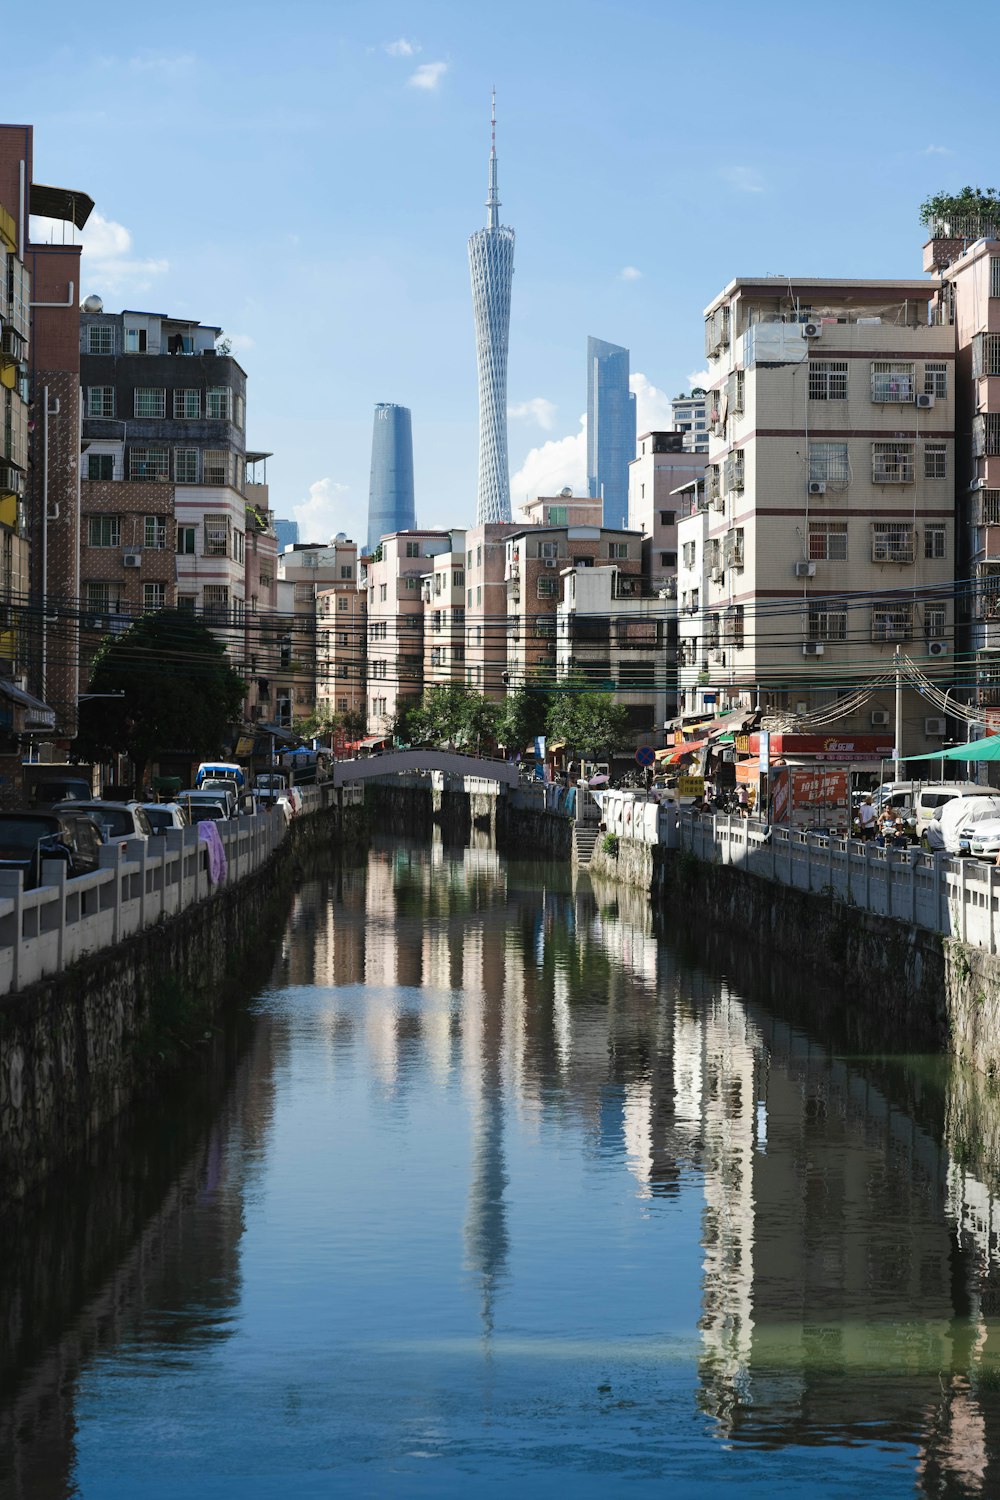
194, 797
54, 790
116, 820
28, 838
984, 839
270, 785
202, 808
953, 822
165, 815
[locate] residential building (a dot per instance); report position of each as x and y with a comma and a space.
610, 428
491, 267
486, 607
692, 589
263, 630
15, 329
831, 528
623, 638
44, 278
391, 580
691, 420
341, 655
308, 568
661, 466
390, 493
127, 557
442, 592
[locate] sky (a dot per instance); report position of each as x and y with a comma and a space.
307, 177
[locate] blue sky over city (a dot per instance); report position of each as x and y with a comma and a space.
307, 176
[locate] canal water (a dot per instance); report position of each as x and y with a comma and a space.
494, 1187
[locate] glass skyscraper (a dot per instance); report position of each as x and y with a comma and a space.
491, 264
610, 428
390, 494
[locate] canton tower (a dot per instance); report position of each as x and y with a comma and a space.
491, 264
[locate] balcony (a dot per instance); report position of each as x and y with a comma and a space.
986, 434
734, 473
897, 546
893, 469
889, 627
732, 549
893, 388
986, 508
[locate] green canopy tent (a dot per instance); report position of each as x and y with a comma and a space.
985, 749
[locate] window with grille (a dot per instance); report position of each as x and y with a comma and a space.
892, 381
343, 604
186, 465
100, 338
827, 623
216, 536
102, 598
104, 531
215, 466
827, 541
936, 379
188, 601
935, 542
892, 542
149, 401
935, 621
935, 461
187, 405
100, 401
155, 532
827, 380
148, 463
218, 403
891, 622
735, 624
458, 578
186, 540
100, 466
154, 596
546, 587
215, 601
829, 463
892, 463
303, 593
995, 275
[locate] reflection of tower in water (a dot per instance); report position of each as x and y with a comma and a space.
486, 1236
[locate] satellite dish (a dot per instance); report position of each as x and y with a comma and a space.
93, 303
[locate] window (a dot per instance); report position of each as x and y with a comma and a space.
935, 542
548, 550
479, 593
828, 462
668, 517
892, 463
827, 380
149, 402
413, 549
935, 460
458, 653
936, 379
102, 598
458, 578
891, 622
303, 593
343, 604
382, 593
240, 413
100, 466
135, 341
892, 381
892, 542
186, 465
104, 531
618, 550
411, 581
668, 559
935, 621
468, 598
216, 536
187, 405
546, 587
827, 623
827, 541
100, 401
148, 463
688, 550
735, 622
218, 403
186, 540
215, 599
215, 466
100, 338
555, 515
346, 571
154, 596
154, 532
186, 601
479, 556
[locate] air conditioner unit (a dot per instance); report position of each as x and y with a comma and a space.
880, 718
718, 575
812, 648
133, 559
935, 727
805, 570
937, 648
550, 562
924, 400
817, 487
812, 330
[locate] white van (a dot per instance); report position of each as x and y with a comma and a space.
936, 793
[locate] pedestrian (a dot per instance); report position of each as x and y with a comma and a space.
866, 818
743, 798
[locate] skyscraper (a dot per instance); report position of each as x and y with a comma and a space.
390, 494
610, 428
491, 264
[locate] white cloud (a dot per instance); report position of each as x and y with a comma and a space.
938, 151
653, 412
743, 179
401, 47
549, 468
107, 263
630, 273
699, 377
538, 409
320, 517
428, 75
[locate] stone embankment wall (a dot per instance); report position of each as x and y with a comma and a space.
76, 1049
524, 832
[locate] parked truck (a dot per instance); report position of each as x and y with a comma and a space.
811, 797
53, 782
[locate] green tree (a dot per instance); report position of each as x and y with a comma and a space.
967, 203
523, 715
173, 687
591, 723
408, 724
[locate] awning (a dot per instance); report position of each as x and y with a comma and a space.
373, 740
676, 752
733, 723
31, 715
985, 749
557, 745
276, 731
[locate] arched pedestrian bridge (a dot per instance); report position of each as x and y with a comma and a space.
393, 762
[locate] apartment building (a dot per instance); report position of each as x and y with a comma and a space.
392, 582
486, 607
692, 587
830, 486
127, 557
691, 420
443, 593
341, 656
262, 669
623, 639
15, 328
309, 567
964, 254
661, 466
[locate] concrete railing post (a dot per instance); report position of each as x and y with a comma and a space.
12, 889
54, 879
964, 898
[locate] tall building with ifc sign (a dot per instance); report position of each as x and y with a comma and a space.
491, 263
390, 493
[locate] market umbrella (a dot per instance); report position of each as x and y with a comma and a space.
985, 749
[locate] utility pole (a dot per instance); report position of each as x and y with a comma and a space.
898, 737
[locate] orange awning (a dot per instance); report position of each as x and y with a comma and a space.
677, 752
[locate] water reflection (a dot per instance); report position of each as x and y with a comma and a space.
642, 1207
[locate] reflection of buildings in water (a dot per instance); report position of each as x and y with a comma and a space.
486, 1235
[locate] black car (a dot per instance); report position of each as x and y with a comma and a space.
28, 838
